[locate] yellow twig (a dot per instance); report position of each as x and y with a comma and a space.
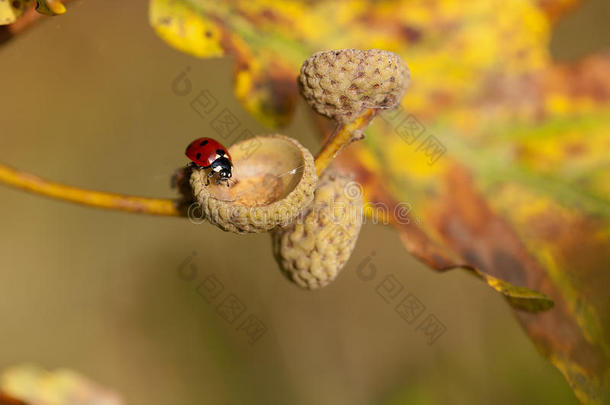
344, 135
99, 199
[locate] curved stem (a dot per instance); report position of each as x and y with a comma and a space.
99, 199
343, 136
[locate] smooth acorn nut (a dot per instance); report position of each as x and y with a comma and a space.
342, 84
314, 248
274, 178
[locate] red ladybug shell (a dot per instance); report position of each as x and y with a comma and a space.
204, 151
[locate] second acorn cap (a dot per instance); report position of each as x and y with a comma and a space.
314, 248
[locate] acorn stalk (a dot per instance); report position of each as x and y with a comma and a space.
351, 86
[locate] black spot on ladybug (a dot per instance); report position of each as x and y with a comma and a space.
16, 4
208, 34
203, 143
198, 156
220, 152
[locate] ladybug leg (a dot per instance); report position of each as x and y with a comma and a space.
207, 179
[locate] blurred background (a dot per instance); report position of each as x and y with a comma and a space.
87, 100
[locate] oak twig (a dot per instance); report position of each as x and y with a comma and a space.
99, 199
343, 136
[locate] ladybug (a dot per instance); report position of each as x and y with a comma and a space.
208, 153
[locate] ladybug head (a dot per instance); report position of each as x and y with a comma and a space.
225, 173
223, 168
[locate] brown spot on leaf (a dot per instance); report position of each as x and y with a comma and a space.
507, 266
575, 148
410, 33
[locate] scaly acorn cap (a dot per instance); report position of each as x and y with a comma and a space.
274, 178
342, 84
313, 250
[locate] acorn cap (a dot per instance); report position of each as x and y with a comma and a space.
314, 248
342, 84
274, 178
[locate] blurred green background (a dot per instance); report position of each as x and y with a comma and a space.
87, 100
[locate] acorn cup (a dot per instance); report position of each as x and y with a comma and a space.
273, 181
313, 249
342, 84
